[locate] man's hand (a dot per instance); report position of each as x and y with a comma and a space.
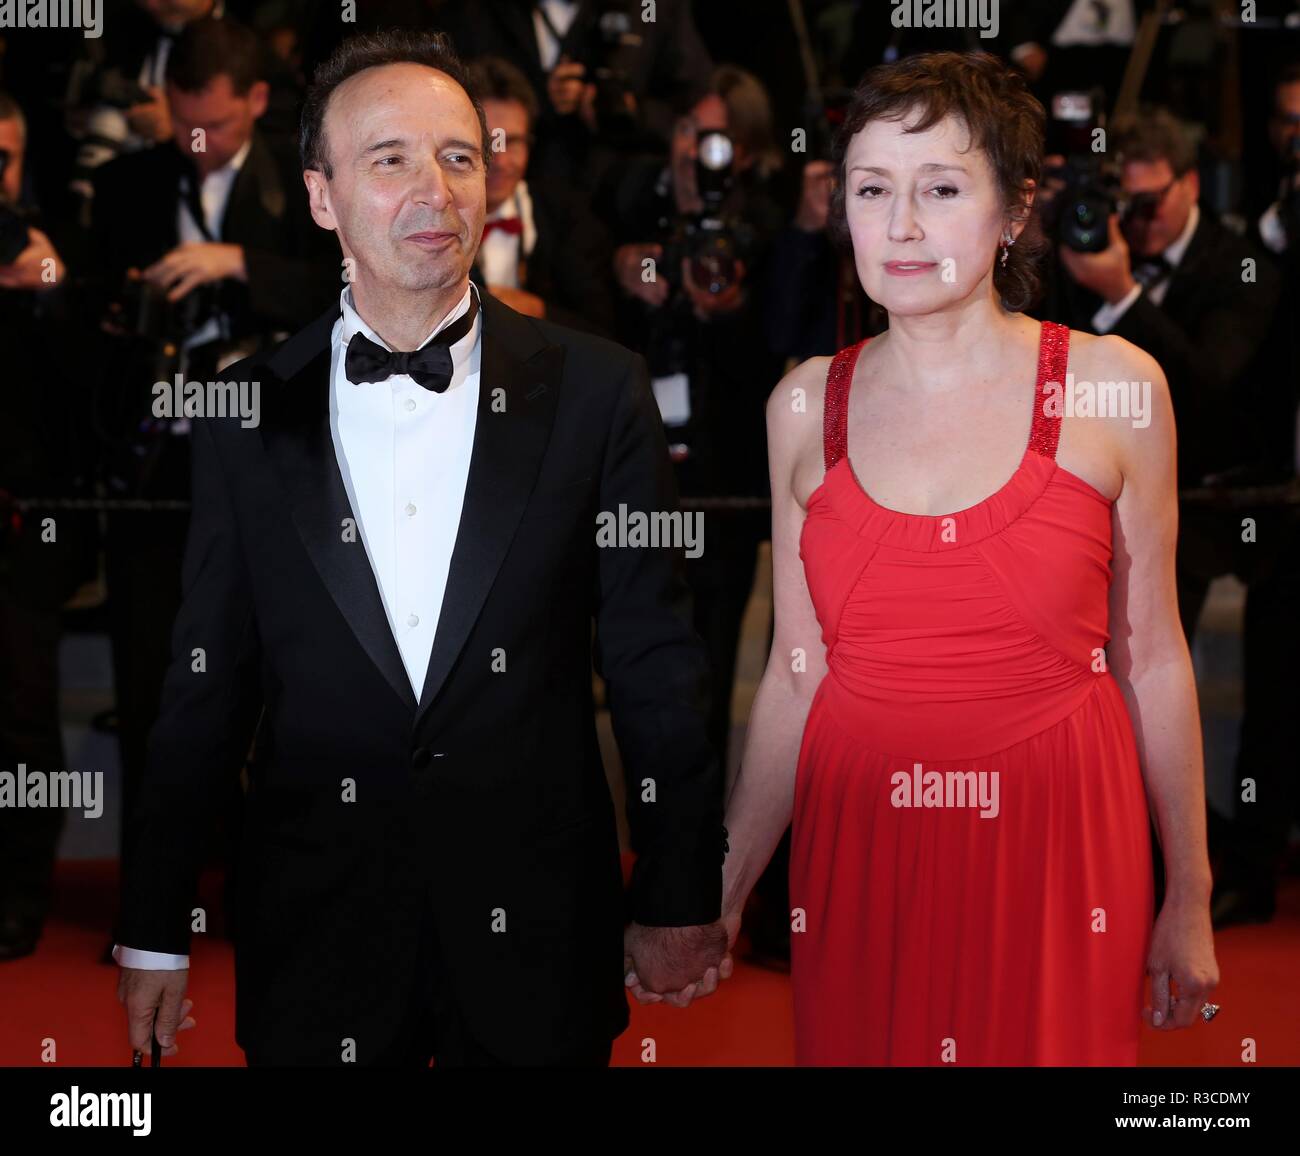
27, 270
677, 964
520, 300
1108, 273
565, 86
708, 305
196, 263
814, 197
628, 267
152, 118
141, 991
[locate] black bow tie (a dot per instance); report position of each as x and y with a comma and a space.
1150, 271
430, 365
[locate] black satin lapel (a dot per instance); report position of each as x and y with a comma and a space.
507, 453
297, 436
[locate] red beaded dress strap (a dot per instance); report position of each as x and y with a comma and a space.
835, 404
1049, 390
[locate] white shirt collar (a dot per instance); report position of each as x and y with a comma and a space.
1178, 247
353, 323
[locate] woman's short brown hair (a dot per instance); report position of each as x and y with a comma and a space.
1003, 119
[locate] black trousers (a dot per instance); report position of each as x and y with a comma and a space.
435, 1028
29, 733
1251, 841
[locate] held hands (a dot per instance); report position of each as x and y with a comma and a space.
141, 992
675, 965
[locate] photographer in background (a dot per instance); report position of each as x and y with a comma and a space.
1255, 838
40, 550
543, 252
116, 95
695, 235
608, 80
1277, 228
1178, 283
205, 251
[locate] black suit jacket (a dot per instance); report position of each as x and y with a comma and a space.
293, 264
485, 801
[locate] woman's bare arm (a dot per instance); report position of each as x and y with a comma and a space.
761, 797
1149, 659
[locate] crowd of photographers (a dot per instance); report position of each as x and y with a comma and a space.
664, 183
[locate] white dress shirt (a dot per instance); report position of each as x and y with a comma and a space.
500, 252
1103, 321
562, 14
404, 454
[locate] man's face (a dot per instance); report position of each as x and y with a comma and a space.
407, 195
1172, 197
225, 117
11, 142
508, 135
1284, 126
174, 13
924, 212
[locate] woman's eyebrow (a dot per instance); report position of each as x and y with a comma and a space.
929, 167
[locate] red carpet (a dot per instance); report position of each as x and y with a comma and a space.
62, 993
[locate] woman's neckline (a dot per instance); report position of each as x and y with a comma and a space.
1002, 489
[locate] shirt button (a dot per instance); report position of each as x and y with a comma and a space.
410, 509
410, 403
413, 620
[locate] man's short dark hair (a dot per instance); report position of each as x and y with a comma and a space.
493, 78
209, 48
1154, 134
373, 50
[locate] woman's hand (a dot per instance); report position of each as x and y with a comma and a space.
1182, 951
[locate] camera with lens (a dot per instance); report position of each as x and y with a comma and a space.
14, 234
1078, 215
614, 36
713, 241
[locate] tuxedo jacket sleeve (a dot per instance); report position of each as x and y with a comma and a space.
657, 682
210, 705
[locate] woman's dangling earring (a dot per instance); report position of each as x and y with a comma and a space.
1007, 242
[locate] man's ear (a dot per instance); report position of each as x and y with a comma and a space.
318, 199
258, 94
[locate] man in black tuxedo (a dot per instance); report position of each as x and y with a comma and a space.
391, 581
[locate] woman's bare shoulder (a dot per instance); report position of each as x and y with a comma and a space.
794, 426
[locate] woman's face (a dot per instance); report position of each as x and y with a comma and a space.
925, 215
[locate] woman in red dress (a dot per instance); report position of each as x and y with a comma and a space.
979, 691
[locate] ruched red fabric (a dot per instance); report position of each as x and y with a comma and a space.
1008, 928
